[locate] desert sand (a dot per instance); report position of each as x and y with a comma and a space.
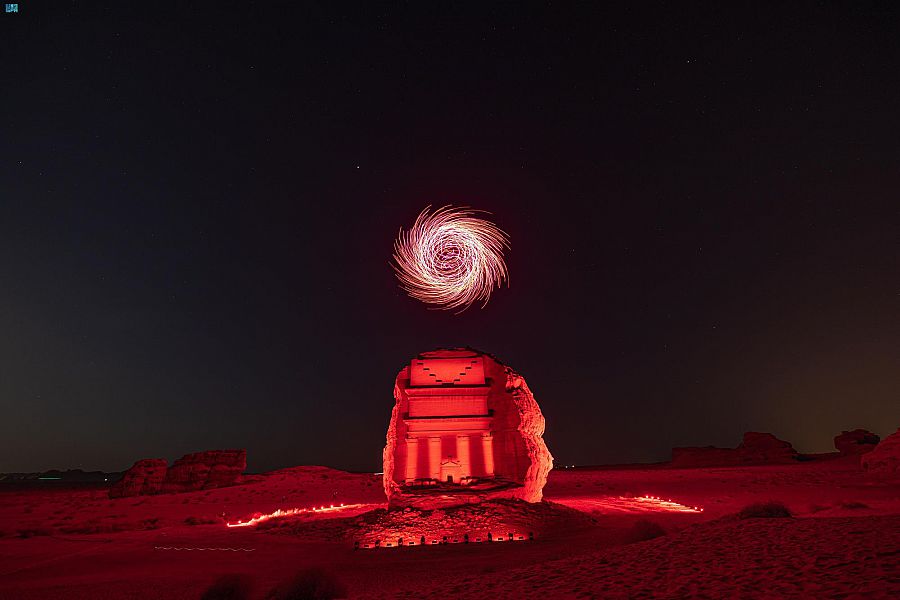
603, 532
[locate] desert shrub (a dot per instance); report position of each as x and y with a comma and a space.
645, 530
814, 508
765, 510
29, 532
854, 505
311, 584
229, 587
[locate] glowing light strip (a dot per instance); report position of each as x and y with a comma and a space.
626, 504
293, 511
658, 503
201, 549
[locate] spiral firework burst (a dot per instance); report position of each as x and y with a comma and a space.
451, 258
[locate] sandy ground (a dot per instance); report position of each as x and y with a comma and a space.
591, 538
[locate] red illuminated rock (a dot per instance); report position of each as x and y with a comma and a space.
198, 471
756, 448
464, 428
144, 477
858, 441
884, 460
765, 448
205, 470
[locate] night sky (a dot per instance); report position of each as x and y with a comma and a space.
198, 205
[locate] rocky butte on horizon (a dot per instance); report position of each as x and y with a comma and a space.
195, 471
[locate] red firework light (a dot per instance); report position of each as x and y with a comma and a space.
451, 258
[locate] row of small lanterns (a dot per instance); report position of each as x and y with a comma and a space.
401, 542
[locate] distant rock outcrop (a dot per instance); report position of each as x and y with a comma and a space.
144, 477
204, 470
884, 460
765, 448
198, 471
755, 449
858, 441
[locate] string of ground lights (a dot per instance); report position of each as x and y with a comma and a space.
402, 542
627, 504
294, 511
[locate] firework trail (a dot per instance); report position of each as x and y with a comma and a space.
451, 258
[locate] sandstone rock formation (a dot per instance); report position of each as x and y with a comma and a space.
884, 460
464, 428
755, 449
143, 478
765, 448
204, 470
858, 441
201, 470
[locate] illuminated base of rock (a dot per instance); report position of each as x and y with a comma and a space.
442, 495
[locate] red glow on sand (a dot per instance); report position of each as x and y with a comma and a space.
658, 504
627, 504
292, 512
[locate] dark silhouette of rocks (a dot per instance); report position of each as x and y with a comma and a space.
755, 449
858, 441
765, 448
884, 459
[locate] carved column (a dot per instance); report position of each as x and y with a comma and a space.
487, 442
462, 455
412, 459
434, 457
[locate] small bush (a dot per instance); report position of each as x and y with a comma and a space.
644, 530
854, 505
229, 587
765, 510
311, 584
